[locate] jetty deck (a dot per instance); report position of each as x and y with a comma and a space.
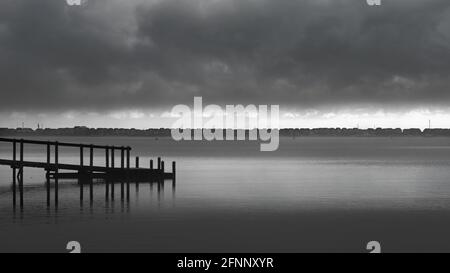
110, 173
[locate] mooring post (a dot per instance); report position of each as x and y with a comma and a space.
21, 175
128, 175
112, 169
159, 174
151, 176
81, 174
91, 181
107, 174
173, 174
122, 166
47, 175
174, 183
162, 174
14, 174
56, 173
137, 162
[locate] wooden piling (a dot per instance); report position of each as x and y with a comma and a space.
107, 178
122, 166
151, 168
174, 173
137, 167
162, 174
174, 180
112, 167
47, 183
56, 174
80, 179
128, 173
91, 180
14, 175
21, 175
173, 169
158, 178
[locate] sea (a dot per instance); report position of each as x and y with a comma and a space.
314, 194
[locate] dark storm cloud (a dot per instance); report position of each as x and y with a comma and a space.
111, 54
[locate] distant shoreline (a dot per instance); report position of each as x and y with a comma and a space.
164, 132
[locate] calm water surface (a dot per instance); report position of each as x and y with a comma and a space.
314, 194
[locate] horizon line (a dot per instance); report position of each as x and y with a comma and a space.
205, 128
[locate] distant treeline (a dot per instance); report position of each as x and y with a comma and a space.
341, 132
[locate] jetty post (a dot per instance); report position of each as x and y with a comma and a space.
56, 173
91, 180
112, 168
159, 163
21, 175
122, 166
106, 174
161, 179
47, 175
80, 179
128, 173
14, 174
174, 176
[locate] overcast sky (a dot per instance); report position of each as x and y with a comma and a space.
124, 63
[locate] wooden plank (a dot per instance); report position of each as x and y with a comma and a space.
68, 167
141, 177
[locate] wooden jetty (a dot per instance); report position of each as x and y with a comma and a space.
110, 173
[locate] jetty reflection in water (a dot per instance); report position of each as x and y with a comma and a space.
146, 196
